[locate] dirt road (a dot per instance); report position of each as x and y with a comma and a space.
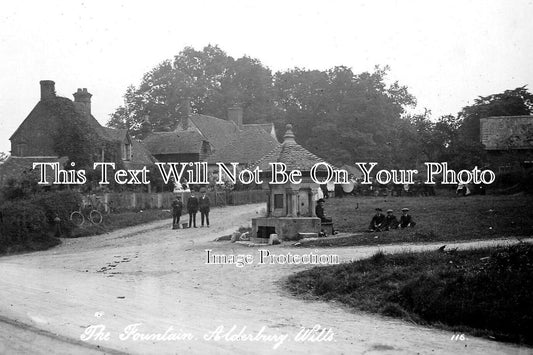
105, 293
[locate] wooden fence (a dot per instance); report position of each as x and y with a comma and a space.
145, 200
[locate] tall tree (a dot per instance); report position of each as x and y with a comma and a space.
342, 116
209, 79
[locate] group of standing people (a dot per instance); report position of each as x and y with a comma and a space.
194, 204
381, 222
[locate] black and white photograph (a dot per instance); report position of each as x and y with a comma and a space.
266, 177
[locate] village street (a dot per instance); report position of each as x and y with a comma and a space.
158, 277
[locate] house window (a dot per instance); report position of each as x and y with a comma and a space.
278, 201
126, 151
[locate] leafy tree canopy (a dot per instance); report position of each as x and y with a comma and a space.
336, 113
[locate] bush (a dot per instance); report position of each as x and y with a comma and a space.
28, 224
60, 204
22, 224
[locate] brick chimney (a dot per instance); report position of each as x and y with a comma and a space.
48, 89
235, 115
82, 100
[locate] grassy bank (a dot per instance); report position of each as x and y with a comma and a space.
440, 218
121, 220
484, 292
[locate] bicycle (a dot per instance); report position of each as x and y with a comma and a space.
101, 206
78, 217
90, 209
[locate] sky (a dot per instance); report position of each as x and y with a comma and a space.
446, 52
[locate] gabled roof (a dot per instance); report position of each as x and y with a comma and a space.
228, 142
114, 134
63, 108
180, 142
246, 146
140, 156
47, 107
293, 155
215, 130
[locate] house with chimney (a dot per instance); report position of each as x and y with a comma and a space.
35, 138
210, 139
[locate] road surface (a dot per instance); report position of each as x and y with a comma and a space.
148, 290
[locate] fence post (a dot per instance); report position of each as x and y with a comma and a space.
159, 199
134, 200
106, 202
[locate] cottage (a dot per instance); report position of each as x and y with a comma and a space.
213, 140
35, 140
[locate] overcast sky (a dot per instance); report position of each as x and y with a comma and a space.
446, 52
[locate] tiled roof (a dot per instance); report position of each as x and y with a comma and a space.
174, 142
293, 155
48, 107
246, 146
267, 127
228, 142
114, 134
141, 156
217, 131
57, 105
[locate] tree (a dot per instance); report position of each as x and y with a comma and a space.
337, 114
210, 80
342, 116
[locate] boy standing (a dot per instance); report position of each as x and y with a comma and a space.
204, 208
177, 207
192, 208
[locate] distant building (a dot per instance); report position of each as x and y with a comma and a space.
508, 141
212, 140
35, 138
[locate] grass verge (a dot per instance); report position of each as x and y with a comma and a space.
440, 218
484, 292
